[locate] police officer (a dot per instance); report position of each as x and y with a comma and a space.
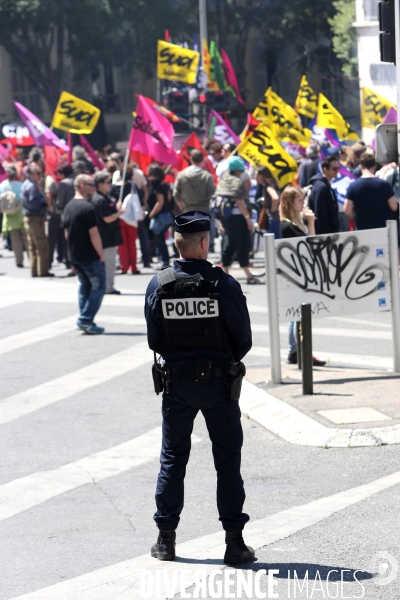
198, 322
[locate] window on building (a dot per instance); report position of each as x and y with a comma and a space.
371, 10
24, 92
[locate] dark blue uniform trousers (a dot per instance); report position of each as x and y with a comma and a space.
222, 417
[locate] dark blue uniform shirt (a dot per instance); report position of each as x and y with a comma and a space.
233, 310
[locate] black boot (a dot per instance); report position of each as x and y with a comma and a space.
236, 550
164, 548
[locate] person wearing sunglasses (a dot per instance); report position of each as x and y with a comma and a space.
86, 254
107, 215
322, 199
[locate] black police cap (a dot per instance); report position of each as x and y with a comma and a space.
193, 221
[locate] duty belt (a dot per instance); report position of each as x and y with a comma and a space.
192, 373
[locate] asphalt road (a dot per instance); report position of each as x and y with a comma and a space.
79, 446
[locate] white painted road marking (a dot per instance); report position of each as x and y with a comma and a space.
51, 330
73, 383
122, 580
26, 492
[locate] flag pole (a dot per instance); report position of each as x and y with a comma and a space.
203, 27
121, 191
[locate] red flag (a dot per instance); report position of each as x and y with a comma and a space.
184, 161
167, 36
53, 157
252, 124
230, 75
141, 160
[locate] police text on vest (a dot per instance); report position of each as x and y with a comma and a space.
190, 308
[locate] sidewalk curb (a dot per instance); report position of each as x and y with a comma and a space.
297, 428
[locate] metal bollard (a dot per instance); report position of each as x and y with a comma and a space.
306, 347
298, 339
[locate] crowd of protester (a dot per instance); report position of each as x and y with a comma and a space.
124, 214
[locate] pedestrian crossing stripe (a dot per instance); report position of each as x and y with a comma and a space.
123, 580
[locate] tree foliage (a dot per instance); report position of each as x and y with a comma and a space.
41, 36
344, 36
281, 23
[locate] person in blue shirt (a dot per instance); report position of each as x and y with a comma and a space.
34, 208
198, 322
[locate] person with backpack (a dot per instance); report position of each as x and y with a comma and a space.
236, 223
13, 219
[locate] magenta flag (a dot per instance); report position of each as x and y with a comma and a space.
152, 134
230, 75
41, 134
3, 152
91, 153
391, 116
219, 130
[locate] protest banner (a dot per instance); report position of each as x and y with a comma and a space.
262, 149
374, 108
219, 130
41, 134
152, 134
176, 63
307, 100
75, 115
330, 118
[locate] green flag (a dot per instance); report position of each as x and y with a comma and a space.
217, 70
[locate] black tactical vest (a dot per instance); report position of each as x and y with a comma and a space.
191, 311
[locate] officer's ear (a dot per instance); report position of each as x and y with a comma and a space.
204, 242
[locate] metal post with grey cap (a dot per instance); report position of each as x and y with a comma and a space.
272, 299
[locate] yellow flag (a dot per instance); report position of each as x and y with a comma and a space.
261, 112
282, 119
374, 108
261, 149
297, 137
330, 118
273, 98
176, 63
307, 101
75, 115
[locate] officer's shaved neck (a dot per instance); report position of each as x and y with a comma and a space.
193, 245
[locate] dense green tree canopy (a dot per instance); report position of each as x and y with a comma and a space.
344, 36
41, 35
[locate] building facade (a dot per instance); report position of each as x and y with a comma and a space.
373, 74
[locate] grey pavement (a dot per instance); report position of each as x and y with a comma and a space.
109, 520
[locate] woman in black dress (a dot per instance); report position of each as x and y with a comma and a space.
159, 202
293, 218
